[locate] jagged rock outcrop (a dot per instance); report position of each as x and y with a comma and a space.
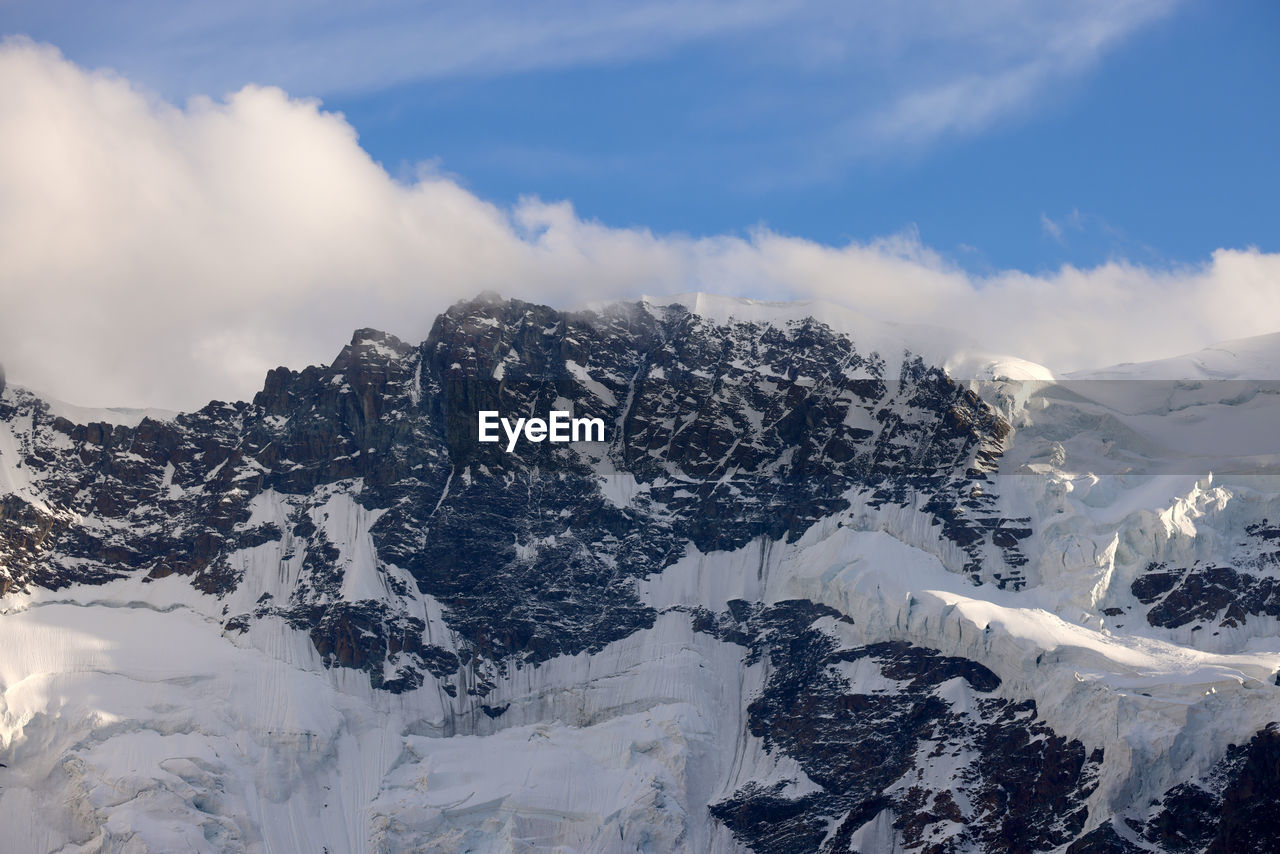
729, 433
1225, 596
952, 767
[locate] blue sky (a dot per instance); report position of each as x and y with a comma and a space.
1145, 131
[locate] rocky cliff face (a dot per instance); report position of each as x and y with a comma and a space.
1232, 808
750, 465
729, 433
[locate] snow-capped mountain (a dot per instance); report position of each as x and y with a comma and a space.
827, 585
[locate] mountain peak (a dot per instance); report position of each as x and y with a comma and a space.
375, 343
795, 571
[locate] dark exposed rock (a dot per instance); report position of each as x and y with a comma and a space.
1103, 840
366, 634
238, 624
910, 748
1234, 809
1223, 595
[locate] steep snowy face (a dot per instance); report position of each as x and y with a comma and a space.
1231, 808
810, 593
1178, 474
364, 482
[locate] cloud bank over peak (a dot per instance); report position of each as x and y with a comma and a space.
155, 254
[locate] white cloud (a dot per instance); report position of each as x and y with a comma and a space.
151, 254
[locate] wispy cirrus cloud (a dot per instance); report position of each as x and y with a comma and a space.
1078, 226
1002, 56
1052, 227
859, 79
328, 47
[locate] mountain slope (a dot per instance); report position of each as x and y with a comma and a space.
810, 593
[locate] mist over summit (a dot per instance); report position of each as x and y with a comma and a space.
160, 253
